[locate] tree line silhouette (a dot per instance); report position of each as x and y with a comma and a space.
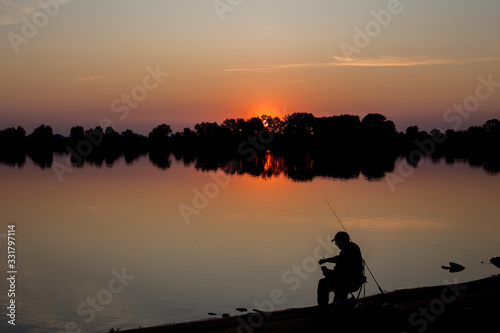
301, 145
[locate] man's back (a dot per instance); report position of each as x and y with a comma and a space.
350, 262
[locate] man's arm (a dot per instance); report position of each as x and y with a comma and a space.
332, 260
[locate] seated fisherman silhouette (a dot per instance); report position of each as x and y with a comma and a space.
347, 275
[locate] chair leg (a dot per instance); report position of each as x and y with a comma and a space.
359, 293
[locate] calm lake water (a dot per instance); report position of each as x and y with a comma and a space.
109, 247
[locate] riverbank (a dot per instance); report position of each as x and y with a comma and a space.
471, 306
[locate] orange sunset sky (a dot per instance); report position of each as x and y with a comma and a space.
76, 62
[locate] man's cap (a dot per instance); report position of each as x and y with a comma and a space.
341, 237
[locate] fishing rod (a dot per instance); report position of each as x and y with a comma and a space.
366, 265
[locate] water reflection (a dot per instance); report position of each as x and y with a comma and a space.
259, 227
297, 167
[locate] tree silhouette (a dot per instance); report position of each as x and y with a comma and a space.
159, 146
159, 137
346, 145
13, 145
134, 144
492, 126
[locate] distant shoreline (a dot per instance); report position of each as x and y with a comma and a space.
300, 145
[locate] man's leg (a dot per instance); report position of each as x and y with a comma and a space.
340, 294
325, 286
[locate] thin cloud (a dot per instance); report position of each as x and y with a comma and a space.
26, 6
384, 61
89, 78
247, 69
12, 12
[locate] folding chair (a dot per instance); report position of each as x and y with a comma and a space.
341, 294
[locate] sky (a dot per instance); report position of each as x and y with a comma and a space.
140, 63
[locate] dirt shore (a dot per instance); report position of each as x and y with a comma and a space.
468, 307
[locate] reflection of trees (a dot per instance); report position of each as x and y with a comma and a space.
160, 159
267, 165
304, 167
